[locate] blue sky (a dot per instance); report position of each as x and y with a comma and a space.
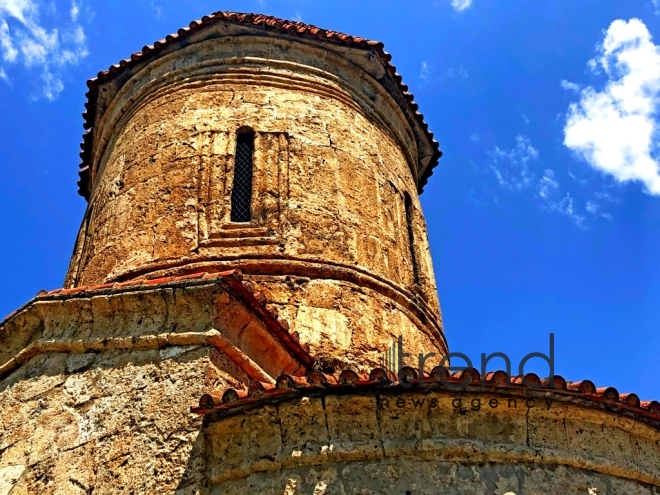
544, 214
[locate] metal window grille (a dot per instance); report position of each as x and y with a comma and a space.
411, 236
241, 193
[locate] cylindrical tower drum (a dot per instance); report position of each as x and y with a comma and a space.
295, 158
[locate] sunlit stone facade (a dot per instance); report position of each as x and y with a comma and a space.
252, 246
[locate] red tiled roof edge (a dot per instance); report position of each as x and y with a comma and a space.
380, 380
269, 22
231, 278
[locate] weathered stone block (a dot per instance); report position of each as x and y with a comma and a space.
353, 427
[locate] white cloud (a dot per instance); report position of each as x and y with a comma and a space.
569, 86
19, 9
26, 42
9, 52
595, 206
75, 11
511, 167
158, 10
604, 196
425, 72
3, 75
565, 206
547, 185
457, 72
517, 170
580, 180
554, 200
461, 5
615, 130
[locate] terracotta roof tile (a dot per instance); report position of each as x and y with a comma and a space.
290, 382
210, 400
191, 276
72, 290
653, 406
11, 315
556, 382
318, 379
348, 377
630, 399
102, 286
584, 386
128, 283
156, 281
264, 21
529, 379
498, 378
380, 380
609, 393
259, 389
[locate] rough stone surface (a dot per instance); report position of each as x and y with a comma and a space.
437, 442
109, 412
9, 476
80, 362
334, 189
95, 387
121, 426
347, 326
418, 476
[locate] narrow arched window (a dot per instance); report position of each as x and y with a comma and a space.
410, 227
241, 192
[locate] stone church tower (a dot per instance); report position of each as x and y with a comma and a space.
253, 246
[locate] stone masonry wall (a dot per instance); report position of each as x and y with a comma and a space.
348, 326
115, 422
428, 443
96, 386
332, 166
417, 476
